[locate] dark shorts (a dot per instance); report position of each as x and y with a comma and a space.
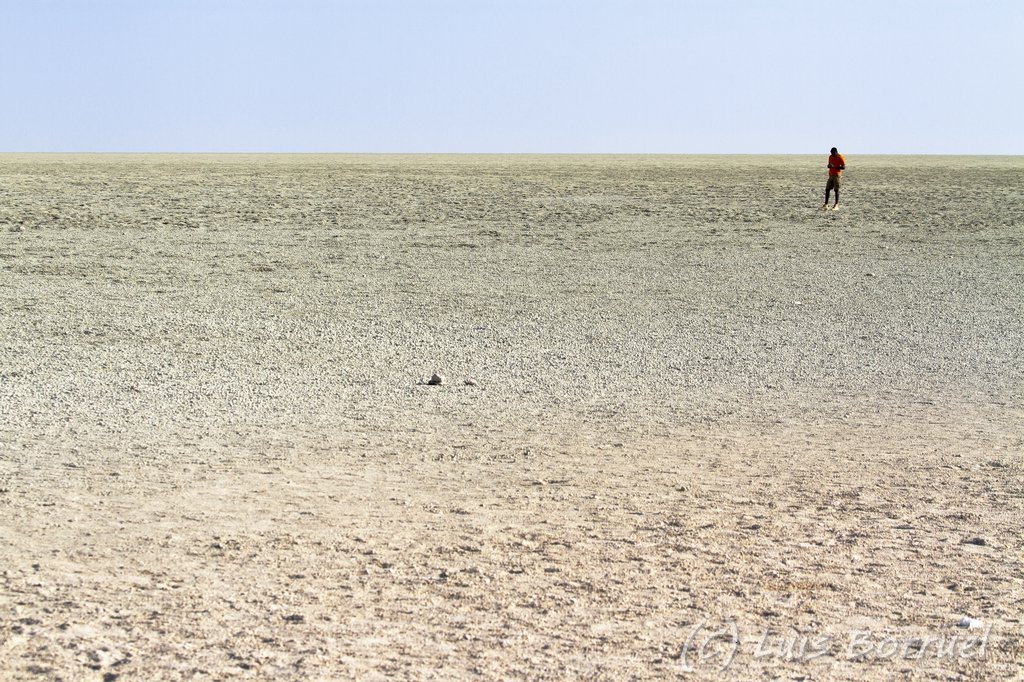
833, 183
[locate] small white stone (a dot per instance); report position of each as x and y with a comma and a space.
106, 657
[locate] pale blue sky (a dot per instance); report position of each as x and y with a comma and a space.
673, 76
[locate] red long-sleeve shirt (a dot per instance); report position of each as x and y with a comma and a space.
836, 164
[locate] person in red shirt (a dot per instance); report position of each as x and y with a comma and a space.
836, 165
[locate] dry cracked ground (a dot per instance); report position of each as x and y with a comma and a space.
708, 432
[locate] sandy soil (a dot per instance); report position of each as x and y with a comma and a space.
704, 413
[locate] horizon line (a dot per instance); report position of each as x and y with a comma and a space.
487, 153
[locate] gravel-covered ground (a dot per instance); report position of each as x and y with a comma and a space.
694, 399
